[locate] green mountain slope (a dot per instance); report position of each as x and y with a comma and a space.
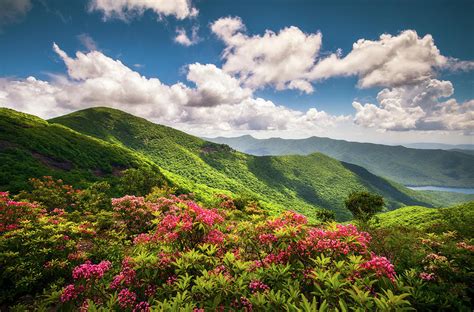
407, 166
459, 218
300, 183
32, 147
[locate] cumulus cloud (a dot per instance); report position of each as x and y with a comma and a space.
388, 62
280, 59
126, 9
216, 101
183, 38
12, 11
423, 106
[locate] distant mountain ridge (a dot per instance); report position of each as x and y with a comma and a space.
98, 143
408, 166
469, 147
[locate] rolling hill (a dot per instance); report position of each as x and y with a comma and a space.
300, 183
458, 217
407, 166
32, 147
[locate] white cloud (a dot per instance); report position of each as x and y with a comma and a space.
87, 41
274, 59
389, 62
12, 11
217, 101
183, 38
214, 87
417, 107
125, 9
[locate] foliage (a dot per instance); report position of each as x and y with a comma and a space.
140, 182
190, 257
435, 245
364, 205
32, 147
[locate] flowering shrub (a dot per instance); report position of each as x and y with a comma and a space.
12, 213
134, 212
438, 265
52, 194
171, 252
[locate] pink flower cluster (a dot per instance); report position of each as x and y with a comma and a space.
257, 285
134, 211
343, 239
381, 266
142, 306
463, 245
90, 271
69, 293
126, 277
127, 298
142, 238
13, 212
267, 239
180, 218
427, 276
171, 223
206, 216
289, 218
215, 237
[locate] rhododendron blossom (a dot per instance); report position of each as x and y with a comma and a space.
12, 213
258, 286
381, 266
127, 298
427, 276
89, 271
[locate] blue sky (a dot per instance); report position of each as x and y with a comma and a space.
145, 43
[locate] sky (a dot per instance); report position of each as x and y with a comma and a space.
388, 72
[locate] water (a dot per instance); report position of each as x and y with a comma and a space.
443, 189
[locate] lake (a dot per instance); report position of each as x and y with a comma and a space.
443, 189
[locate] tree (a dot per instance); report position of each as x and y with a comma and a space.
364, 205
325, 215
140, 182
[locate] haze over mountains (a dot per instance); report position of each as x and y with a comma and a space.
408, 166
459, 147
98, 143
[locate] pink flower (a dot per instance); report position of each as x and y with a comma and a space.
126, 298
171, 280
142, 238
206, 216
69, 293
143, 306
215, 237
125, 277
381, 266
427, 276
88, 270
257, 285
267, 238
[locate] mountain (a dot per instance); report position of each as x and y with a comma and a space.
300, 183
32, 147
404, 165
440, 146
